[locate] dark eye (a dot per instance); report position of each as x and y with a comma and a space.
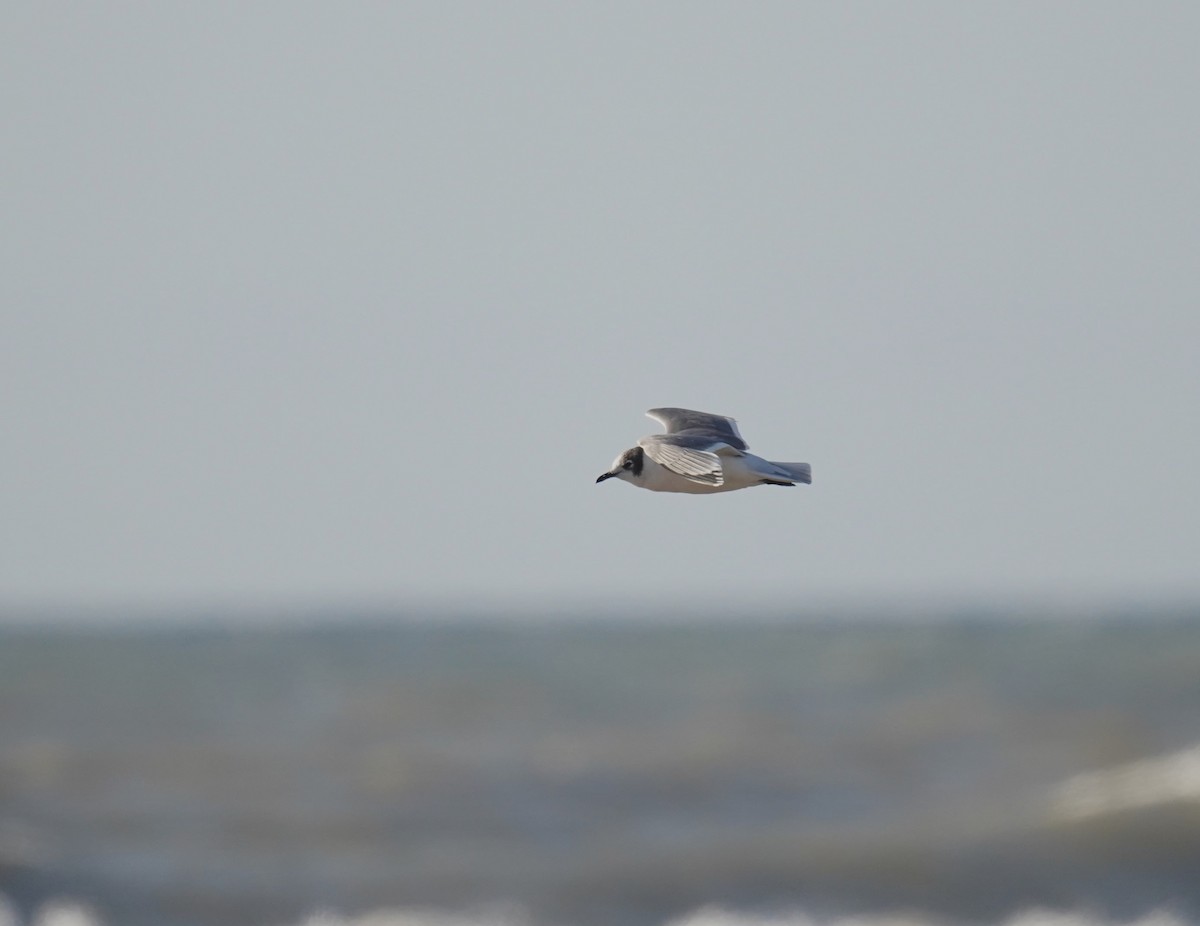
627, 464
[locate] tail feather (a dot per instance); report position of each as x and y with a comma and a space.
800, 472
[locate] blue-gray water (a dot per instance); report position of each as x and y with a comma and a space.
587, 774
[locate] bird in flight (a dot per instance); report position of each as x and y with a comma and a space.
700, 453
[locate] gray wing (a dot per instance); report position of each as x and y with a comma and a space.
693, 455
677, 420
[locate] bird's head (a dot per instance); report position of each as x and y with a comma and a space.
627, 466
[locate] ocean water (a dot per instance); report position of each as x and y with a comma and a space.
846, 773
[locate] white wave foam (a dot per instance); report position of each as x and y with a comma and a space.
67, 913
1058, 918
717, 916
1160, 780
52, 913
418, 916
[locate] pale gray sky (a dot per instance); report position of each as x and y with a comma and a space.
352, 302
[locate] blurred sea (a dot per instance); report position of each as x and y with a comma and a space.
974, 770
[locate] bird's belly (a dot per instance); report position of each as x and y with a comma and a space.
740, 472
658, 478
736, 474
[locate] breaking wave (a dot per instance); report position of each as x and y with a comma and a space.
1145, 783
67, 913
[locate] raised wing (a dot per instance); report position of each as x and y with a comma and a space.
692, 456
681, 420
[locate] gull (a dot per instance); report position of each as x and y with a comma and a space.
700, 454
